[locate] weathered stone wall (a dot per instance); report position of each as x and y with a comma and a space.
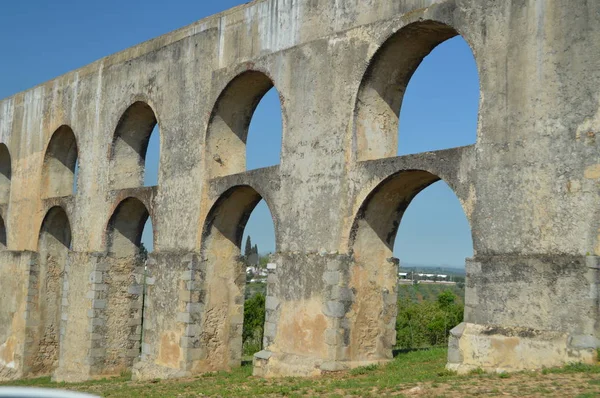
45, 288
529, 187
14, 296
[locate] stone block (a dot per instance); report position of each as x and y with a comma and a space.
334, 309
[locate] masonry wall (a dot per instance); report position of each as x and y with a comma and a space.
529, 185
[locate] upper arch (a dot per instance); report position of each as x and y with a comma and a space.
129, 145
383, 85
229, 121
5, 173
60, 157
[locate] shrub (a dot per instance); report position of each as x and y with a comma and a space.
254, 319
427, 323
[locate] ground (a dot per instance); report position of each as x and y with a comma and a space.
417, 373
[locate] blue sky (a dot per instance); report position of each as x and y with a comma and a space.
41, 40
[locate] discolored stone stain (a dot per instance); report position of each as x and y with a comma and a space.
592, 172
7, 351
505, 349
169, 352
302, 328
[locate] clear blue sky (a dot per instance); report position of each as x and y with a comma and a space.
41, 40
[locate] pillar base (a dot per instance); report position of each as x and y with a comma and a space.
150, 371
499, 349
269, 364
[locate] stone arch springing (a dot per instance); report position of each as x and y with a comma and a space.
374, 269
5, 173
124, 280
226, 275
130, 146
380, 96
46, 290
227, 132
60, 158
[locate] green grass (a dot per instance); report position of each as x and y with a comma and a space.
424, 368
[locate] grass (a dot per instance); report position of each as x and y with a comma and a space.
419, 373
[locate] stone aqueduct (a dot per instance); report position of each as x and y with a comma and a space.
70, 280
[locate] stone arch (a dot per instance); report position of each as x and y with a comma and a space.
47, 291
123, 277
129, 146
225, 275
227, 131
125, 227
5, 173
373, 269
58, 170
379, 99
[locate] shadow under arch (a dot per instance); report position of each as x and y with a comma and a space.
382, 89
5, 173
130, 144
43, 327
58, 170
373, 269
3, 236
227, 131
125, 227
225, 279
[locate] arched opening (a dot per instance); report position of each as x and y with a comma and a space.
5, 174
130, 152
3, 240
432, 243
439, 106
124, 279
47, 286
228, 128
60, 158
375, 269
75, 176
235, 328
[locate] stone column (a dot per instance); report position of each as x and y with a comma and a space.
80, 340
172, 309
308, 307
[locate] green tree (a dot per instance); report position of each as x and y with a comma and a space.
254, 320
143, 252
248, 248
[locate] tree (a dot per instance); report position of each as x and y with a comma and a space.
255, 250
143, 252
248, 248
254, 319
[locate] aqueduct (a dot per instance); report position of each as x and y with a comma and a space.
71, 280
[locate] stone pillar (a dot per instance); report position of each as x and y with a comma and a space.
80, 349
172, 309
306, 328
16, 309
527, 312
